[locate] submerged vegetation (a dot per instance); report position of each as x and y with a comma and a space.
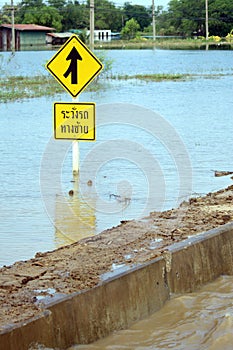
167, 77
154, 77
22, 87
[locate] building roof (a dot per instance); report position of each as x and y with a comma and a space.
25, 27
60, 35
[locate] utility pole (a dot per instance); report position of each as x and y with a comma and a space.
206, 20
92, 24
12, 27
153, 19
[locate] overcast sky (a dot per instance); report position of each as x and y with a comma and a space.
116, 2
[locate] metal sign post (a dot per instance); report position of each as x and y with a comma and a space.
74, 66
75, 158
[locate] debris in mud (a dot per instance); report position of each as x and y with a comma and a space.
36, 346
222, 173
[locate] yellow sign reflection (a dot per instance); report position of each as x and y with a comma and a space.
75, 216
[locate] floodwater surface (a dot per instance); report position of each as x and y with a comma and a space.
195, 321
157, 143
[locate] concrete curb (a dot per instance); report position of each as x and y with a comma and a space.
116, 303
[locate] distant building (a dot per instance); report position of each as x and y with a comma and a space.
60, 38
101, 34
25, 35
57, 38
116, 36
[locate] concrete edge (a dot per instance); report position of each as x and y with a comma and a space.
83, 317
199, 259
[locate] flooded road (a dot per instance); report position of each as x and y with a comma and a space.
38, 215
201, 320
197, 112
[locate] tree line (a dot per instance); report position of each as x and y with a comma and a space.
182, 17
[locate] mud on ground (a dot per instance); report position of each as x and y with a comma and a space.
80, 266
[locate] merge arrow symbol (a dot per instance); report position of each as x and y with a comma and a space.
73, 57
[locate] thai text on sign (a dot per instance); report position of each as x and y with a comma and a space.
74, 121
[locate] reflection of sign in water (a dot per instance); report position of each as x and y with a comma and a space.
74, 121
74, 216
74, 66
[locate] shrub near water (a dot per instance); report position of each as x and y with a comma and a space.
229, 36
215, 38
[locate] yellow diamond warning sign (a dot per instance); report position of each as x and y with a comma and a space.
74, 66
74, 121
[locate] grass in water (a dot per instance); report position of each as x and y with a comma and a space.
167, 77
20, 87
154, 77
14, 88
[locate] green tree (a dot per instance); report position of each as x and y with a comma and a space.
130, 29
140, 13
188, 16
83, 36
220, 17
32, 3
160, 20
49, 16
34, 11
107, 15
5, 14
58, 4
75, 16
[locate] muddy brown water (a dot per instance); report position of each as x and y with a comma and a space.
194, 321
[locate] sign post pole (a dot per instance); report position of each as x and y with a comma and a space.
75, 157
75, 153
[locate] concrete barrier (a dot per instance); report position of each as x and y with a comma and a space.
200, 259
118, 302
